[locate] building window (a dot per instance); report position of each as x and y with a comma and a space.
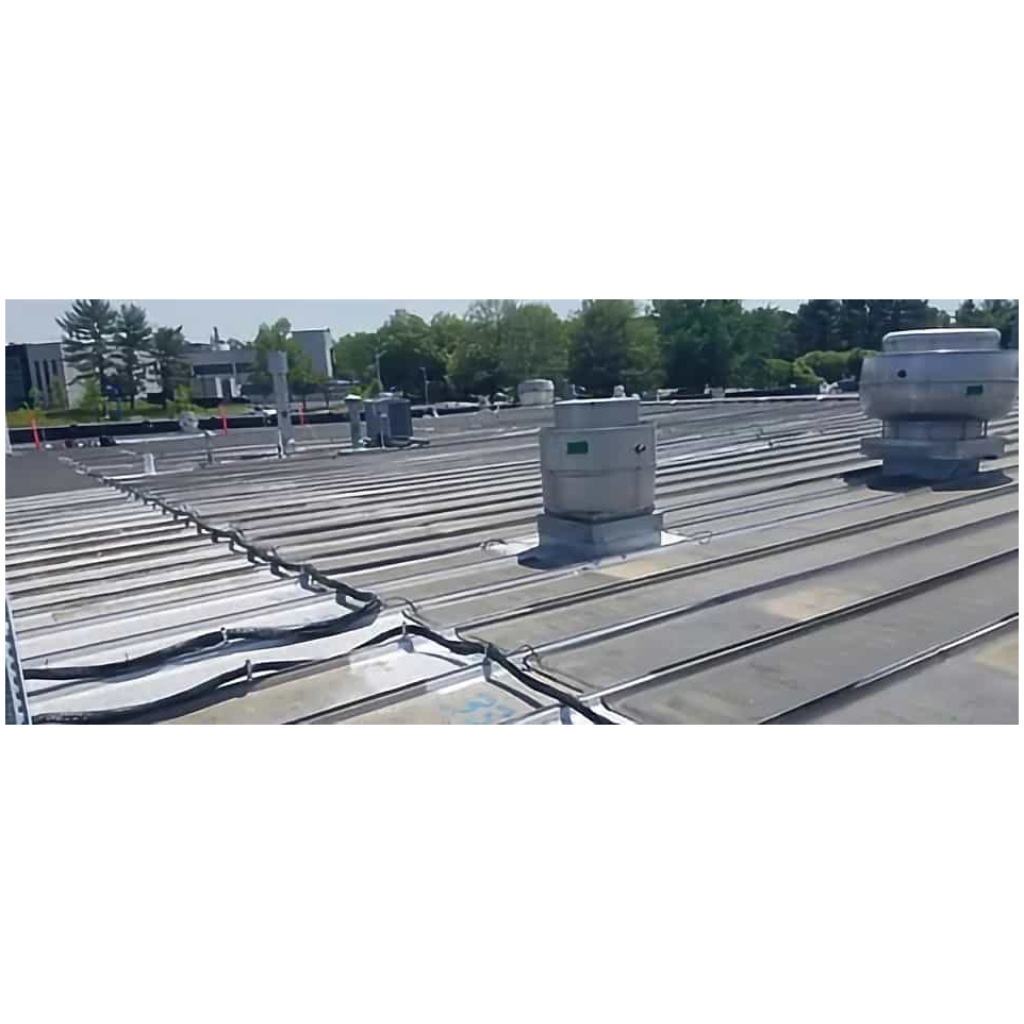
39, 379
53, 368
19, 380
46, 374
213, 370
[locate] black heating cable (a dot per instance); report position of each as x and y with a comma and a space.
372, 605
249, 670
208, 642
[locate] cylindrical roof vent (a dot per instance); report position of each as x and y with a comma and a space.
537, 392
935, 391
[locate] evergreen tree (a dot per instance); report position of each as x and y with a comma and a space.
854, 325
88, 340
999, 313
172, 368
818, 325
133, 342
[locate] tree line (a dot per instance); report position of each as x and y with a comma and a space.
683, 344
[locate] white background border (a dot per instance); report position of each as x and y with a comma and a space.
339, 150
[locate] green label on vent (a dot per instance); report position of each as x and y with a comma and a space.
975, 389
577, 448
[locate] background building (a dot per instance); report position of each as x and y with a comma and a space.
318, 344
219, 372
42, 368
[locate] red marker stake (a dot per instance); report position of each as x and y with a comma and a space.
302, 415
35, 434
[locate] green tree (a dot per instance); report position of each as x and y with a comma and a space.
999, 313
91, 404
133, 349
766, 331
763, 338
885, 315
818, 325
404, 346
882, 318
532, 342
307, 384
172, 367
829, 366
473, 364
701, 340
276, 337
967, 313
779, 373
643, 370
855, 360
353, 356
491, 317
753, 370
447, 332
828, 325
182, 399
58, 394
803, 375
407, 352
599, 344
88, 340
917, 314
854, 323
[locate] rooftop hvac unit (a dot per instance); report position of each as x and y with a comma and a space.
597, 469
935, 392
388, 420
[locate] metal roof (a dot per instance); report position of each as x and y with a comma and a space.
802, 587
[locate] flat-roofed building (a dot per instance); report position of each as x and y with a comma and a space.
318, 344
40, 371
219, 371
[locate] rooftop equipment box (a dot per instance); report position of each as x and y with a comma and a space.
598, 461
388, 419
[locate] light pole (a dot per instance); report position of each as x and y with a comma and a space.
277, 364
426, 386
380, 379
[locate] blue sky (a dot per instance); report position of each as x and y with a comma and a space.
33, 320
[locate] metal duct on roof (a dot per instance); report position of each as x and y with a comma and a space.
935, 392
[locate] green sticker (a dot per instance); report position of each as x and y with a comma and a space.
577, 448
975, 389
